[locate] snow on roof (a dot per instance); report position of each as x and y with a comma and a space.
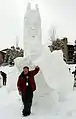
71, 43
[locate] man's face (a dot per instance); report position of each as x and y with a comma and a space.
25, 70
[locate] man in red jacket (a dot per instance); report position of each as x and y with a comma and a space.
26, 85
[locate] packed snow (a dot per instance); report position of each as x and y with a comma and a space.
46, 104
54, 97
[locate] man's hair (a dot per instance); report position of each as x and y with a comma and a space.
26, 67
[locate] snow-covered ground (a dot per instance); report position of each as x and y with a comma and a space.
44, 106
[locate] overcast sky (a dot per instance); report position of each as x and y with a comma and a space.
58, 13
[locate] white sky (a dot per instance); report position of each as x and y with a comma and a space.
58, 13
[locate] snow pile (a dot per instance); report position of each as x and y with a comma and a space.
11, 106
67, 109
54, 82
55, 71
46, 96
21, 62
12, 77
3, 96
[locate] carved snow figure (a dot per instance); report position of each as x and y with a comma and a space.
51, 82
32, 32
33, 50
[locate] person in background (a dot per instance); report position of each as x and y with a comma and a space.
1, 79
4, 77
26, 86
69, 69
74, 72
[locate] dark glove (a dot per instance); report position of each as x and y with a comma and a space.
37, 67
20, 93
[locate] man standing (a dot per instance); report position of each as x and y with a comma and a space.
4, 77
26, 85
74, 72
1, 79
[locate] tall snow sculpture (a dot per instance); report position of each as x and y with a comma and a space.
36, 53
32, 32
33, 49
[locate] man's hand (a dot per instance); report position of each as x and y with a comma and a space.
37, 67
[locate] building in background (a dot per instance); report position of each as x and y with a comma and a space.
8, 55
69, 50
70, 54
2, 55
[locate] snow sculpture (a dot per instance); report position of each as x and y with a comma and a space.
48, 83
33, 50
32, 32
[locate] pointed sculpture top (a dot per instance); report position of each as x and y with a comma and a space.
37, 8
29, 6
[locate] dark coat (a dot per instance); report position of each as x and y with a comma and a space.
3, 75
21, 81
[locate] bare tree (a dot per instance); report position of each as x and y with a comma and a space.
52, 34
17, 41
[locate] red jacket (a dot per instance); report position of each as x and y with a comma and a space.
21, 81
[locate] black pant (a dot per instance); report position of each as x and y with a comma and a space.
4, 81
27, 101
